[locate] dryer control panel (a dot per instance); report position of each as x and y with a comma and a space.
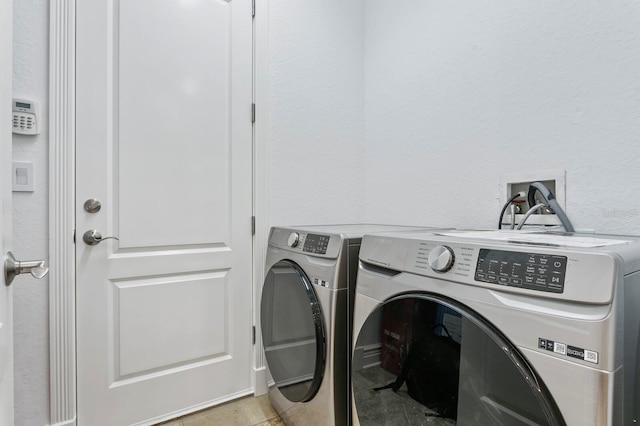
309, 243
532, 271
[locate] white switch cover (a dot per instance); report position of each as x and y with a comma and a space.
22, 176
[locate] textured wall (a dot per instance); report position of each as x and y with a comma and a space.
30, 218
316, 103
461, 93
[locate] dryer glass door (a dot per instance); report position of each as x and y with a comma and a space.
426, 358
293, 331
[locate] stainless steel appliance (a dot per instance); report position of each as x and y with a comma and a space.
532, 328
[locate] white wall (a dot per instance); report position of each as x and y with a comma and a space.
30, 218
316, 103
460, 93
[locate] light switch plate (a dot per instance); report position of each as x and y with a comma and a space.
22, 176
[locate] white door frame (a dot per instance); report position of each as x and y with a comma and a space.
6, 74
260, 175
62, 320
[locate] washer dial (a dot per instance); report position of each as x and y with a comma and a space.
441, 258
294, 239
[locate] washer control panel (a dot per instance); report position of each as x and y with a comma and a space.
316, 244
584, 272
525, 270
532, 271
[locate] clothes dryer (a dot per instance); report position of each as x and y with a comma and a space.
306, 319
497, 328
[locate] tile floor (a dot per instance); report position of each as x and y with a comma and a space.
248, 411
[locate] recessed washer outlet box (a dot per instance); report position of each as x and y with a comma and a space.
511, 185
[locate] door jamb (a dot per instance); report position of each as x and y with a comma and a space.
62, 320
6, 152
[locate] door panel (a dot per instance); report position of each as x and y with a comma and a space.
145, 341
164, 142
182, 100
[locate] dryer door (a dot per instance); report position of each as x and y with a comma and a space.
293, 331
423, 356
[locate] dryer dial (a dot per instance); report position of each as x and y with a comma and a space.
441, 258
294, 239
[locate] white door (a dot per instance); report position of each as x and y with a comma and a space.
6, 314
163, 99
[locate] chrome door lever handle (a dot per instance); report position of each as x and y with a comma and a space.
13, 267
93, 237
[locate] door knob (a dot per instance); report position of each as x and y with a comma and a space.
93, 237
13, 267
92, 205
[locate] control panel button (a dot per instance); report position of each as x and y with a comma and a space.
294, 239
441, 258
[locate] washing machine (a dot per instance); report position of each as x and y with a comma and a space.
497, 328
306, 319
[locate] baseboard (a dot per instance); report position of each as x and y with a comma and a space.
194, 408
261, 387
71, 422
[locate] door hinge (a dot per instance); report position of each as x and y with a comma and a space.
74, 236
253, 8
253, 225
253, 113
254, 334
